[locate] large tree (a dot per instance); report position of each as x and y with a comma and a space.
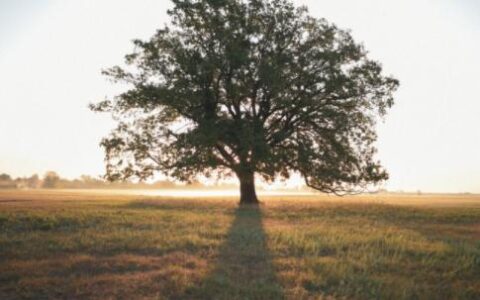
248, 87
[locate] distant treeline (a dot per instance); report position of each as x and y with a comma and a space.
51, 180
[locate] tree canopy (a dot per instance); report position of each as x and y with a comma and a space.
248, 87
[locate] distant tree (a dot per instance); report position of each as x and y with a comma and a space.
248, 87
6, 182
195, 184
33, 181
87, 181
50, 180
165, 184
5, 177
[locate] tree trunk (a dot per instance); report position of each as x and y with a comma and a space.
247, 188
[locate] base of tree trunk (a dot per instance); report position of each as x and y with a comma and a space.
249, 201
248, 196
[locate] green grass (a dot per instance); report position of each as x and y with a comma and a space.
56, 244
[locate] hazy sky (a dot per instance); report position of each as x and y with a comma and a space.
51, 54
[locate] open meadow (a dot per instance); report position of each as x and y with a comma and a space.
77, 245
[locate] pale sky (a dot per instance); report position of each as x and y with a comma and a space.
52, 51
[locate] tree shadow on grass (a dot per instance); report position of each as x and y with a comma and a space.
244, 268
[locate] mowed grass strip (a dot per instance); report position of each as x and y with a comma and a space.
99, 246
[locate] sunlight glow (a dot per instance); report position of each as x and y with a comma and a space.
52, 52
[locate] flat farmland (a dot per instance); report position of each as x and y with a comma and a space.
122, 245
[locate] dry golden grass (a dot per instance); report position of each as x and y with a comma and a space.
76, 245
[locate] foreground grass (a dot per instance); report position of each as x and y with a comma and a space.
100, 246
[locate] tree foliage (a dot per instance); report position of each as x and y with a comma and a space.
248, 87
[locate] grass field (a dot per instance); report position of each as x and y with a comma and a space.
64, 244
